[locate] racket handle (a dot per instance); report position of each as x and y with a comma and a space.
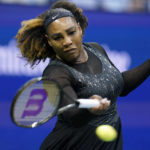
88, 103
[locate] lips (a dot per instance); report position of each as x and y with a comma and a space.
72, 50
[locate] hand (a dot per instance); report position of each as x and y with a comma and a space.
104, 105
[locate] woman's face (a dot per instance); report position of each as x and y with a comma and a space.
65, 37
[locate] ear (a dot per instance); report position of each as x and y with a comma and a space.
48, 40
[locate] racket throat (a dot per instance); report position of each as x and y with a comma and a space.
65, 108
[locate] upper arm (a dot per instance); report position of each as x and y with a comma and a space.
134, 77
64, 79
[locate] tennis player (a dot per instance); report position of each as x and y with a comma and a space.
83, 70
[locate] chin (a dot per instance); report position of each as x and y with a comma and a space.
72, 60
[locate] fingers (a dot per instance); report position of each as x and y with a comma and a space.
96, 97
104, 105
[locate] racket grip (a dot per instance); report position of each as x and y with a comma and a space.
88, 103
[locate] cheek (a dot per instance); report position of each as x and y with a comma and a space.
56, 47
78, 39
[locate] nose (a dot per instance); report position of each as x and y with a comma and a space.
67, 41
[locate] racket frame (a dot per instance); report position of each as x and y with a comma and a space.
21, 90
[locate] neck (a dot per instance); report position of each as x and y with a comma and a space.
83, 56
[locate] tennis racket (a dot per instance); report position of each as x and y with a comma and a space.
38, 100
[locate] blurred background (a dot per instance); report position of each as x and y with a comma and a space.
122, 27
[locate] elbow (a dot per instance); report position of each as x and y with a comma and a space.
124, 94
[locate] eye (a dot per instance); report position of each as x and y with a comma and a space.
72, 32
57, 38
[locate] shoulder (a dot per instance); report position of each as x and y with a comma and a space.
100, 49
58, 74
54, 71
97, 46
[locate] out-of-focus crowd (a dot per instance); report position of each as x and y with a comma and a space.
104, 5
115, 5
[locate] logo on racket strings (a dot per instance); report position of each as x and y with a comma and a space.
36, 100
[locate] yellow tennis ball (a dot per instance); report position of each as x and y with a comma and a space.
106, 133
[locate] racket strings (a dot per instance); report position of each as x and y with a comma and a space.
36, 102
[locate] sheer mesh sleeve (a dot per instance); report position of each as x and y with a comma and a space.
64, 80
134, 77
63, 77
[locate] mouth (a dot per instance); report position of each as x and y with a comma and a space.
72, 50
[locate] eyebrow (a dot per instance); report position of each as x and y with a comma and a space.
58, 34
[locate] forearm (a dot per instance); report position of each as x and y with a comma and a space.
74, 116
134, 77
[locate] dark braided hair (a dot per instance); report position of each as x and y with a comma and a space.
31, 38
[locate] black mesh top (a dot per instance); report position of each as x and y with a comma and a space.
75, 129
93, 66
